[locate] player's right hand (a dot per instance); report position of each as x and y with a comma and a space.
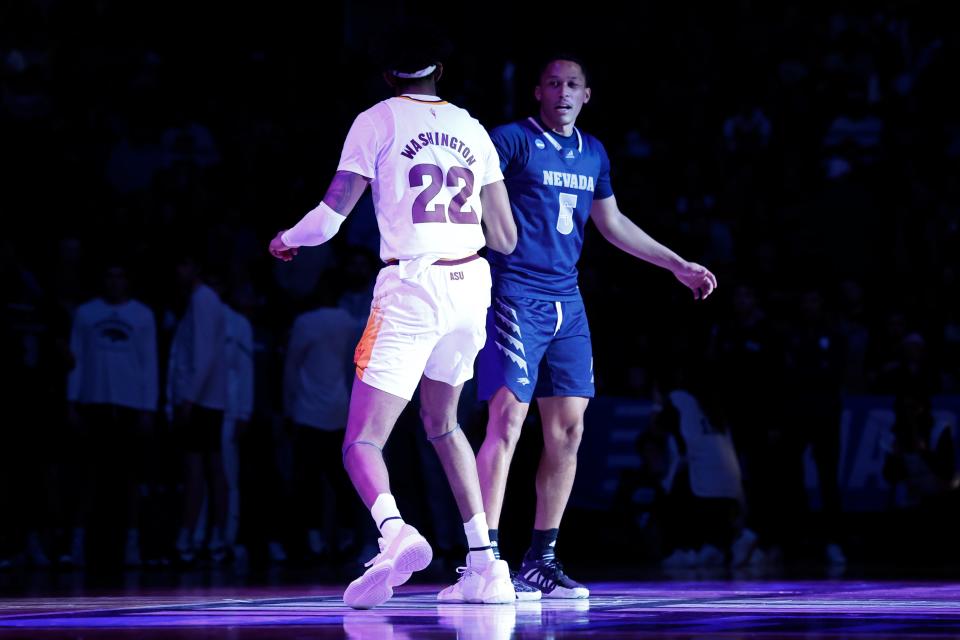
278, 249
697, 278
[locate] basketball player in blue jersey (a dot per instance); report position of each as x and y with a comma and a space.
538, 341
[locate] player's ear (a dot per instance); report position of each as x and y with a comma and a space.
586, 95
438, 73
537, 93
389, 79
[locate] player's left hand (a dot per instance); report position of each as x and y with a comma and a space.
279, 249
697, 278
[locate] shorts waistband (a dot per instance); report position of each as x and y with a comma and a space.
442, 262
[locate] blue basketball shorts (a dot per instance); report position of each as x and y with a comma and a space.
536, 348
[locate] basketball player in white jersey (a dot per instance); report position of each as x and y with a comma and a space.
435, 175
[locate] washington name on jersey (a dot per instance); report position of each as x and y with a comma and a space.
428, 138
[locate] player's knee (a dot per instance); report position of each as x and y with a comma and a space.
436, 424
506, 425
507, 434
564, 439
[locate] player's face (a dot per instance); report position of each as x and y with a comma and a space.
562, 92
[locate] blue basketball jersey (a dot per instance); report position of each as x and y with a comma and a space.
552, 181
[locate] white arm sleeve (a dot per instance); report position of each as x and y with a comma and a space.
315, 228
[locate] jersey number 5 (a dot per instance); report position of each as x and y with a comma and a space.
568, 202
439, 212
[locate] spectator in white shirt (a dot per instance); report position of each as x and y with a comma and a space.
112, 398
197, 392
318, 372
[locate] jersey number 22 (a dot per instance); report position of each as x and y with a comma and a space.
440, 213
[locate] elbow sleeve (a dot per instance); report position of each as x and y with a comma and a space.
315, 228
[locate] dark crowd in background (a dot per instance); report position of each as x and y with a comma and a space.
808, 154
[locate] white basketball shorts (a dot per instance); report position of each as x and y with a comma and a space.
430, 324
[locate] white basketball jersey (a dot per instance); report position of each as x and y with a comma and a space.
427, 160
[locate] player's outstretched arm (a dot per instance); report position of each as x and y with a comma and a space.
324, 221
621, 232
500, 229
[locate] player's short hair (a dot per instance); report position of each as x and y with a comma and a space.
410, 47
553, 56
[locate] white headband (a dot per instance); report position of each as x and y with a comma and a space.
423, 73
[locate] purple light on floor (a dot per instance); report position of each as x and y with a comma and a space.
661, 609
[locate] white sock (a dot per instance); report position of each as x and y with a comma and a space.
386, 515
478, 537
